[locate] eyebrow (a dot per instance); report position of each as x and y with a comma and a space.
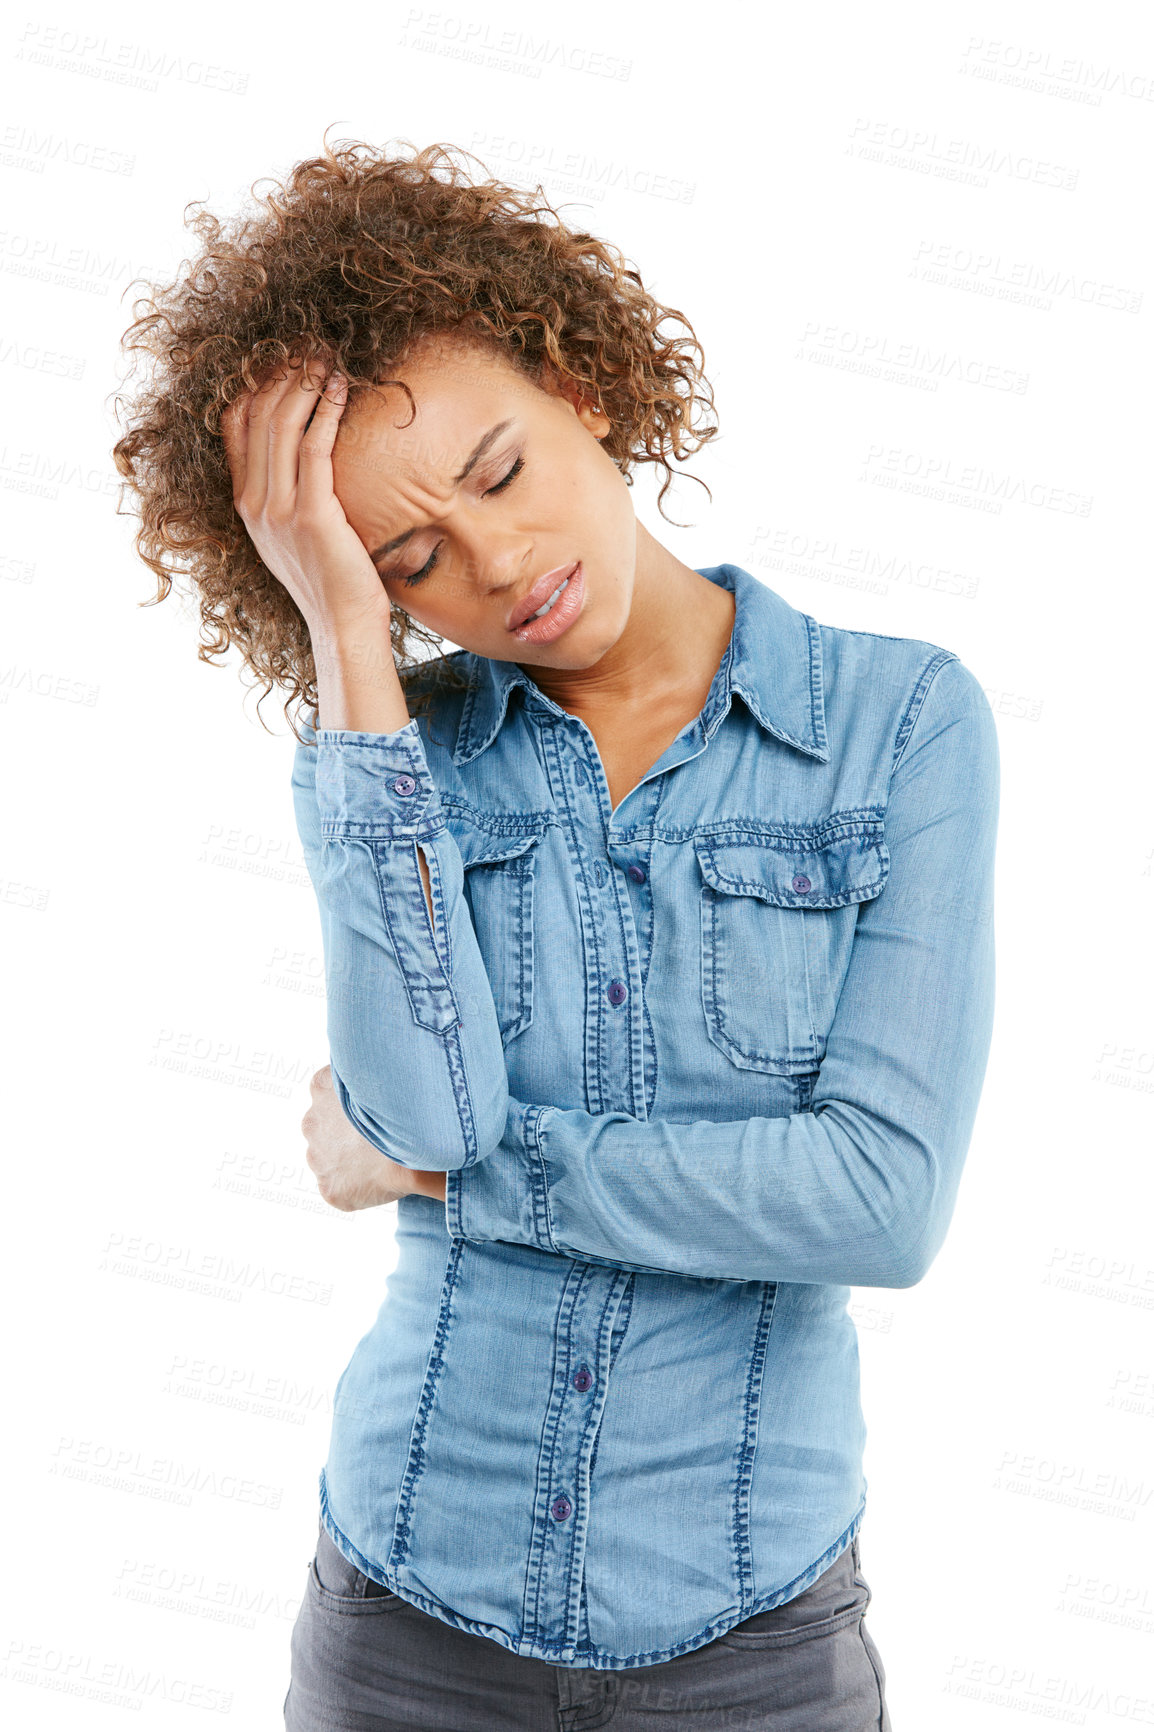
475, 457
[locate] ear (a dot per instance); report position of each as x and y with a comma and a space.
594, 418
583, 405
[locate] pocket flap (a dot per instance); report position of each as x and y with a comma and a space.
489, 847
797, 870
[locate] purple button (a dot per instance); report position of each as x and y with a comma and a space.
637, 873
618, 991
562, 1508
404, 784
583, 1378
801, 883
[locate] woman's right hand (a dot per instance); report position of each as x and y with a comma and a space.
283, 493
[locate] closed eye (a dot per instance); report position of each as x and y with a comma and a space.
499, 487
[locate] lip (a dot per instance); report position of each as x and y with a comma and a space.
539, 594
560, 616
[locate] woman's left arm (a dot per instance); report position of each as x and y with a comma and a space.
861, 1188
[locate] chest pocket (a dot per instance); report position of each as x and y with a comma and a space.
778, 913
500, 873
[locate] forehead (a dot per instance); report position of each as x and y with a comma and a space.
458, 392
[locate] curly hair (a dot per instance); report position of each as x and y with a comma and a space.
357, 258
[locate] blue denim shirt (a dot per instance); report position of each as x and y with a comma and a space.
695, 1066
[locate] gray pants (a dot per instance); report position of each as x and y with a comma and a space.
364, 1660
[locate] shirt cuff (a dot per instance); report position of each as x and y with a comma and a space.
375, 786
506, 1195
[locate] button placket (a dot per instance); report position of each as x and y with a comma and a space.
589, 1313
617, 1073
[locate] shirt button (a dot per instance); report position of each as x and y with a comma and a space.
583, 1378
561, 1508
637, 873
618, 991
801, 883
404, 785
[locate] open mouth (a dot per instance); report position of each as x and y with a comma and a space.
557, 593
557, 612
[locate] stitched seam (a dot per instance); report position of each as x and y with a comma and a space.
803, 899
784, 838
458, 1076
535, 1585
543, 1215
816, 674
414, 1466
511, 825
434, 928
441, 924
917, 698
586, 891
719, 1626
590, 1427
790, 1638
438, 992
372, 830
876, 1673
524, 875
716, 1021
372, 1604
747, 1454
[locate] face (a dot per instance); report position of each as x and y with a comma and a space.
540, 495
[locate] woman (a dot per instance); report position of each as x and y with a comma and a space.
657, 922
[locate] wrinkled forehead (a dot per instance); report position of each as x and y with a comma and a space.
458, 392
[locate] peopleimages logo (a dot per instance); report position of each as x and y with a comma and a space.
134, 65
122, 1467
114, 1683
215, 1274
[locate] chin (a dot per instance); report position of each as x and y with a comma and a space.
580, 655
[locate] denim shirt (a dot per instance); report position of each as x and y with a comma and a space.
695, 1066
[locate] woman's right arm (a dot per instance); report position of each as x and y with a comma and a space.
414, 1041
415, 1047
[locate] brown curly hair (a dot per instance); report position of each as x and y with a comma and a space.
357, 258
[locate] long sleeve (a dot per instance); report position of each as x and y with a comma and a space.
414, 1042
859, 1189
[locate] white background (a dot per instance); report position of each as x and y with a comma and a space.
915, 245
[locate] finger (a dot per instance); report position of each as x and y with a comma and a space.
234, 433
262, 405
315, 473
285, 423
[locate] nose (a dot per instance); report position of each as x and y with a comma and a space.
499, 567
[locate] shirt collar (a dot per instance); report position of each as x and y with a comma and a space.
773, 660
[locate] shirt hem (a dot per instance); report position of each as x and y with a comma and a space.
562, 1654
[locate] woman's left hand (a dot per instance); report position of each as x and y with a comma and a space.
351, 1172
